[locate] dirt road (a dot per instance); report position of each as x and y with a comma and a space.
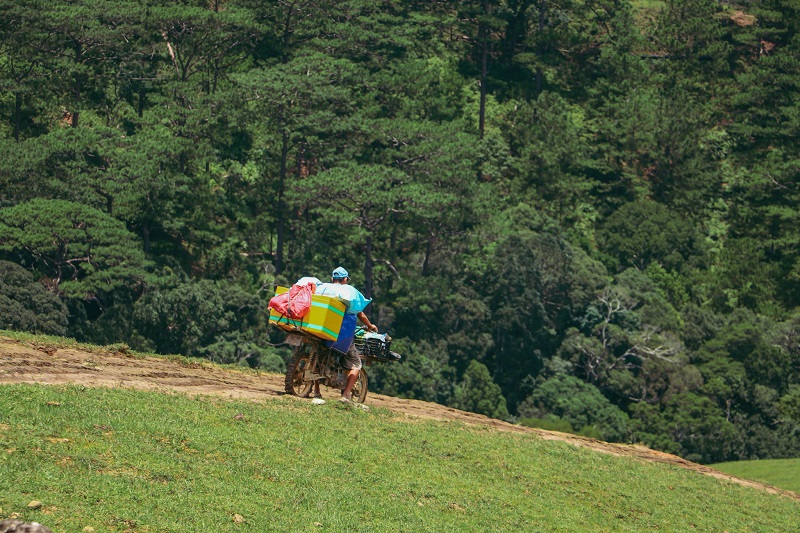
27, 362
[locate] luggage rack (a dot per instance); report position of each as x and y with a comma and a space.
375, 347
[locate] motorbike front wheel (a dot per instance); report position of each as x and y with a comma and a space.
360, 388
295, 382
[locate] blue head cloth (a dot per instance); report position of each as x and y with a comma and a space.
340, 273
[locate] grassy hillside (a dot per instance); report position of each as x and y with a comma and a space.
126, 460
783, 473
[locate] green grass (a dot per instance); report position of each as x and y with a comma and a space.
648, 4
126, 460
782, 473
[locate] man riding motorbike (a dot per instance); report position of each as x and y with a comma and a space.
355, 303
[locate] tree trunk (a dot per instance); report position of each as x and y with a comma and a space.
540, 53
428, 253
17, 115
77, 113
281, 229
483, 33
146, 237
109, 202
141, 100
215, 78
368, 263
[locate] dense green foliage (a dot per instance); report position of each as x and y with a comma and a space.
207, 464
536, 194
26, 305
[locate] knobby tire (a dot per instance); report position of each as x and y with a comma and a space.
294, 383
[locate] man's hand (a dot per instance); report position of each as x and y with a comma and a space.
364, 320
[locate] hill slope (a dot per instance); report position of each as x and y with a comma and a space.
52, 363
119, 459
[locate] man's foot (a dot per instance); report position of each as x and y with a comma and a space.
344, 399
318, 401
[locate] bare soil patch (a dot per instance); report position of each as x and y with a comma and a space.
26, 362
743, 19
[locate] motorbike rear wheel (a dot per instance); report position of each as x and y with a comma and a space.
295, 382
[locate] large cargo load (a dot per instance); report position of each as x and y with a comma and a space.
323, 321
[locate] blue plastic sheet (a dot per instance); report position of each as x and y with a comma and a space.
350, 296
346, 334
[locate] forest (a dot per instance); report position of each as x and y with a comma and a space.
572, 214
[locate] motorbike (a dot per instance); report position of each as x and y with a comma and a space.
313, 361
